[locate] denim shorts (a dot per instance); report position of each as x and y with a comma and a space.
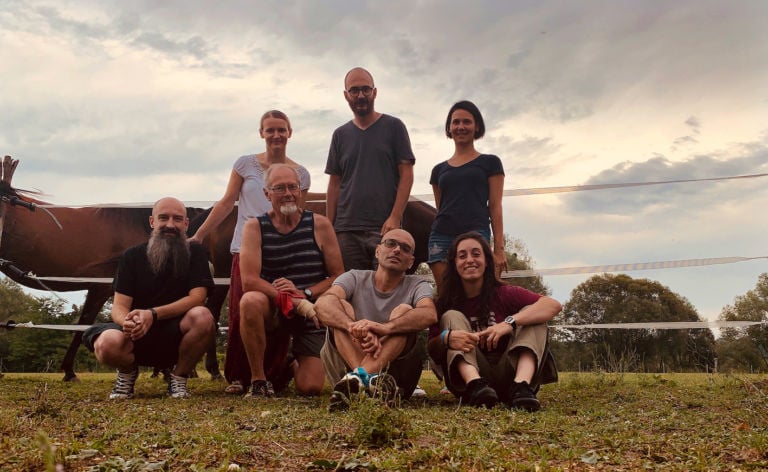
440, 243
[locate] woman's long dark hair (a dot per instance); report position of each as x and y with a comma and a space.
453, 295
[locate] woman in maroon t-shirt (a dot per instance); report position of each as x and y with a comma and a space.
492, 336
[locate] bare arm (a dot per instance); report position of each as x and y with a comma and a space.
329, 246
222, 208
438, 194
401, 199
420, 317
121, 305
542, 311
331, 312
495, 194
250, 261
137, 322
195, 297
332, 197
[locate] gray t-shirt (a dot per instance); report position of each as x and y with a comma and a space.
371, 304
367, 162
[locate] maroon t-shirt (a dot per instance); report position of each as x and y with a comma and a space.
509, 299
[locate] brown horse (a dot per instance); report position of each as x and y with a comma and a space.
91, 241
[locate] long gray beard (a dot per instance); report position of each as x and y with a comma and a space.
168, 254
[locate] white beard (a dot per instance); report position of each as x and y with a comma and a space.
289, 208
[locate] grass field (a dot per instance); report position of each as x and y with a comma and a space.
588, 422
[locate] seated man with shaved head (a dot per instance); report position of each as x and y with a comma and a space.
158, 313
373, 320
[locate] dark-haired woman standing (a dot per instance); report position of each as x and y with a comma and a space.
468, 190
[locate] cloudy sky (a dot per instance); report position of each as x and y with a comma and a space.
128, 101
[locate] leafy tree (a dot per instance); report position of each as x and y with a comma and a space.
746, 348
518, 258
35, 350
610, 298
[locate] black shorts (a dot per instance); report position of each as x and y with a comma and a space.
306, 340
158, 348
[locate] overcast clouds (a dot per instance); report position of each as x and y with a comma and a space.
130, 101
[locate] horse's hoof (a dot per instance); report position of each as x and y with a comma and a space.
70, 378
216, 376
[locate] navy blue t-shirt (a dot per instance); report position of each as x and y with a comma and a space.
464, 194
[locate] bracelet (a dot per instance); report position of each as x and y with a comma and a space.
442, 337
154, 314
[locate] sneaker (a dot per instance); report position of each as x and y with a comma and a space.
419, 392
260, 389
123, 388
480, 394
522, 397
177, 386
383, 387
349, 385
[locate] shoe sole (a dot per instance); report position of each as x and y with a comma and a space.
488, 398
384, 388
339, 402
528, 404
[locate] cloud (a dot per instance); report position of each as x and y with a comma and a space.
742, 159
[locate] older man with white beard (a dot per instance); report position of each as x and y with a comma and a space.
287, 255
158, 313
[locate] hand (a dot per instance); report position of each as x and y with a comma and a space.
195, 239
390, 224
371, 345
500, 261
284, 285
142, 321
463, 341
359, 329
490, 336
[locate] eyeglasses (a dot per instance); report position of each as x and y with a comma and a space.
392, 243
365, 90
282, 188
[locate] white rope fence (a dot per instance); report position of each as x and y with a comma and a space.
430, 197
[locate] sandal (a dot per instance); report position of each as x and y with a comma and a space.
235, 388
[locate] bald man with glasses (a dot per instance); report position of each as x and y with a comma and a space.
373, 320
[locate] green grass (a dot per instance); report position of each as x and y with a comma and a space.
588, 422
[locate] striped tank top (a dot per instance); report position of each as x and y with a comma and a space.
295, 255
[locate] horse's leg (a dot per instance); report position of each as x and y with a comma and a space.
214, 303
94, 300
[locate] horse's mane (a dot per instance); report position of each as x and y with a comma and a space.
7, 190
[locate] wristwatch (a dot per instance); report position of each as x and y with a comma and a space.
510, 320
308, 293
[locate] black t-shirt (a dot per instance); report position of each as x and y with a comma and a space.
464, 194
135, 278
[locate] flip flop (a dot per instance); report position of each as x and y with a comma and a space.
235, 388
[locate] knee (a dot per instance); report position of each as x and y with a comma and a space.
201, 318
109, 346
309, 386
252, 305
454, 319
